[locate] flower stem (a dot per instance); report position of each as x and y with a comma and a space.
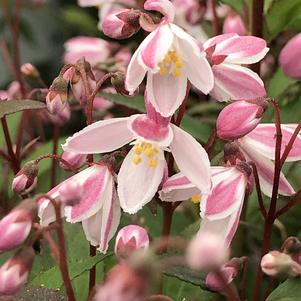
56, 135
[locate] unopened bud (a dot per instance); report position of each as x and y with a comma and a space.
234, 24
121, 24
26, 179
56, 98
117, 81
30, 70
75, 160
239, 118
61, 117
14, 272
206, 251
131, 238
276, 263
71, 192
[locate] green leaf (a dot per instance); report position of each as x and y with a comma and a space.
289, 290
191, 230
13, 106
237, 5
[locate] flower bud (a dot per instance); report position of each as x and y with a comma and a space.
234, 23
75, 160
289, 58
56, 98
30, 70
131, 238
117, 81
206, 251
121, 24
26, 179
14, 273
239, 118
276, 263
71, 193
61, 117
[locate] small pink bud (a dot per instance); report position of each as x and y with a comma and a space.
14, 273
234, 23
30, 70
239, 118
62, 117
121, 24
56, 98
131, 238
276, 263
206, 251
14, 229
26, 179
289, 58
71, 193
74, 159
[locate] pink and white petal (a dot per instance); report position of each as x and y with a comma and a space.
263, 139
265, 170
165, 7
166, 92
218, 39
236, 82
92, 228
242, 49
100, 137
156, 46
192, 159
84, 3
177, 188
46, 213
141, 175
233, 225
97, 190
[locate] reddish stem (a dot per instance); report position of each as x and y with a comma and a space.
215, 25
296, 199
56, 136
182, 108
209, 147
92, 275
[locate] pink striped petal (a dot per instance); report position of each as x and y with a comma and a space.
100, 137
191, 158
218, 39
165, 7
166, 92
131, 176
263, 140
236, 82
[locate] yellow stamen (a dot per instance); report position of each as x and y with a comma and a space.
171, 64
176, 72
153, 162
136, 160
148, 152
138, 149
196, 198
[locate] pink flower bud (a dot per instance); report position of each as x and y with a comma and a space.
234, 24
14, 273
289, 58
30, 70
131, 238
121, 24
71, 193
117, 81
276, 263
74, 159
14, 229
62, 117
26, 179
56, 98
206, 251
239, 118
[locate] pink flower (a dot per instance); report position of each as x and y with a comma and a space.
71, 193
289, 58
234, 24
61, 117
259, 147
94, 50
227, 53
131, 238
169, 56
98, 209
144, 165
74, 159
14, 229
239, 118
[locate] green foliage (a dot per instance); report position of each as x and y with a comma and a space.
236, 5
290, 290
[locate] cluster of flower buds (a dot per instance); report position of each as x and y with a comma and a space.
26, 179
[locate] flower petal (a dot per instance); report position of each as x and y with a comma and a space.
166, 92
236, 82
165, 7
192, 159
141, 175
100, 137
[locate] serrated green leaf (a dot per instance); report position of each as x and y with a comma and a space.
13, 106
191, 230
289, 290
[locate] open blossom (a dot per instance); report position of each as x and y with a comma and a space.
259, 147
227, 53
144, 165
169, 56
98, 209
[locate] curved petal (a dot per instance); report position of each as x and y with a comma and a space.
191, 159
236, 82
131, 176
218, 39
100, 137
165, 7
166, 92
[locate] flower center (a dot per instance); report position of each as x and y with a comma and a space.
148, 151
171, 64
196, 198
